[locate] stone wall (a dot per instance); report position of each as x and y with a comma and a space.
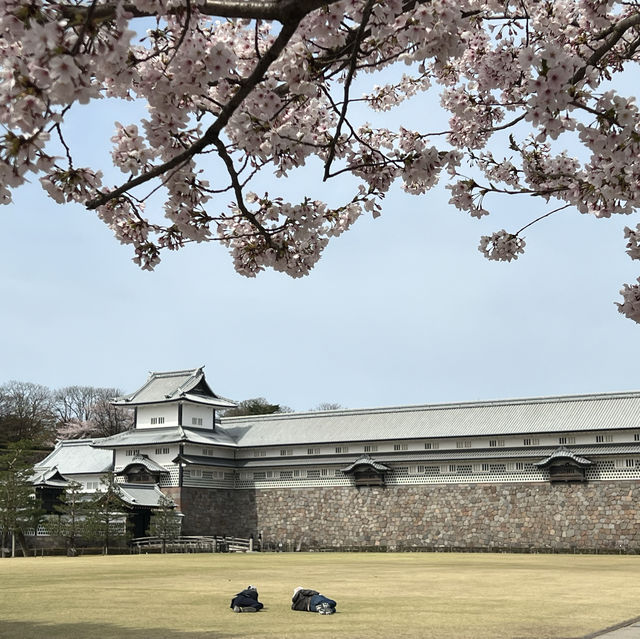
216, 511
592, 517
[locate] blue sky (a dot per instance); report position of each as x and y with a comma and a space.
400, 310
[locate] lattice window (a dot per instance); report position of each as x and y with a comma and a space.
481, 468
371, 448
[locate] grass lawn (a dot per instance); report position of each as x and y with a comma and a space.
397, 596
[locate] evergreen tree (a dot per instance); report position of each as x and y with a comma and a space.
165, 522
72, 511
19, 508
105, 513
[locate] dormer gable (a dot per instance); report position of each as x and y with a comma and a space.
564, 465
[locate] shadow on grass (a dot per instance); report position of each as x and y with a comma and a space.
85, 630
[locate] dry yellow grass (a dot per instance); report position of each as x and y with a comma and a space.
380, 596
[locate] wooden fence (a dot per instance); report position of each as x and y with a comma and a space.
191, 544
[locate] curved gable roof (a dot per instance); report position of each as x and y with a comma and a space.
172, 386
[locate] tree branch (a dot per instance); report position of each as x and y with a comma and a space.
610, 41
212, 133
278, 10
347, 86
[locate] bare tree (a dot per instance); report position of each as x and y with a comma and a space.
328, 406
86, 411
26, 412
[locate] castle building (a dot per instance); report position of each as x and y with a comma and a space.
552, 473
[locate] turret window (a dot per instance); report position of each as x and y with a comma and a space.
157, 420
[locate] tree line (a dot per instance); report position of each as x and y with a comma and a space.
36, 413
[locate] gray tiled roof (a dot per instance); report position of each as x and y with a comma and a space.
200, 460
169, 435
77, 457
143, 460
564, 453
521, 416
141, 494
174, 385
49, 477
365, 460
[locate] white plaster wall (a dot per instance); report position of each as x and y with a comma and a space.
146, 413
197, 411
86, 478
122, 458
217, 451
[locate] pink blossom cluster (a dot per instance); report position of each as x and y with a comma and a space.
290, 237
501, 246
270, 86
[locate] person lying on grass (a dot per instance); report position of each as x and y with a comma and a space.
246, 600
309, 600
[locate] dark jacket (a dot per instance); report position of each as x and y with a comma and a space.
302, 599
248, 597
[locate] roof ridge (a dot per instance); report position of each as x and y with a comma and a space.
548, 399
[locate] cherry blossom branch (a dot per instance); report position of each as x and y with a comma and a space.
542, 217
614, 35
214, 130
347, 87
237, 189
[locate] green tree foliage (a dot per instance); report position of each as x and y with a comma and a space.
105, 514
255, 406
165, 522
19, 508
71, 520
